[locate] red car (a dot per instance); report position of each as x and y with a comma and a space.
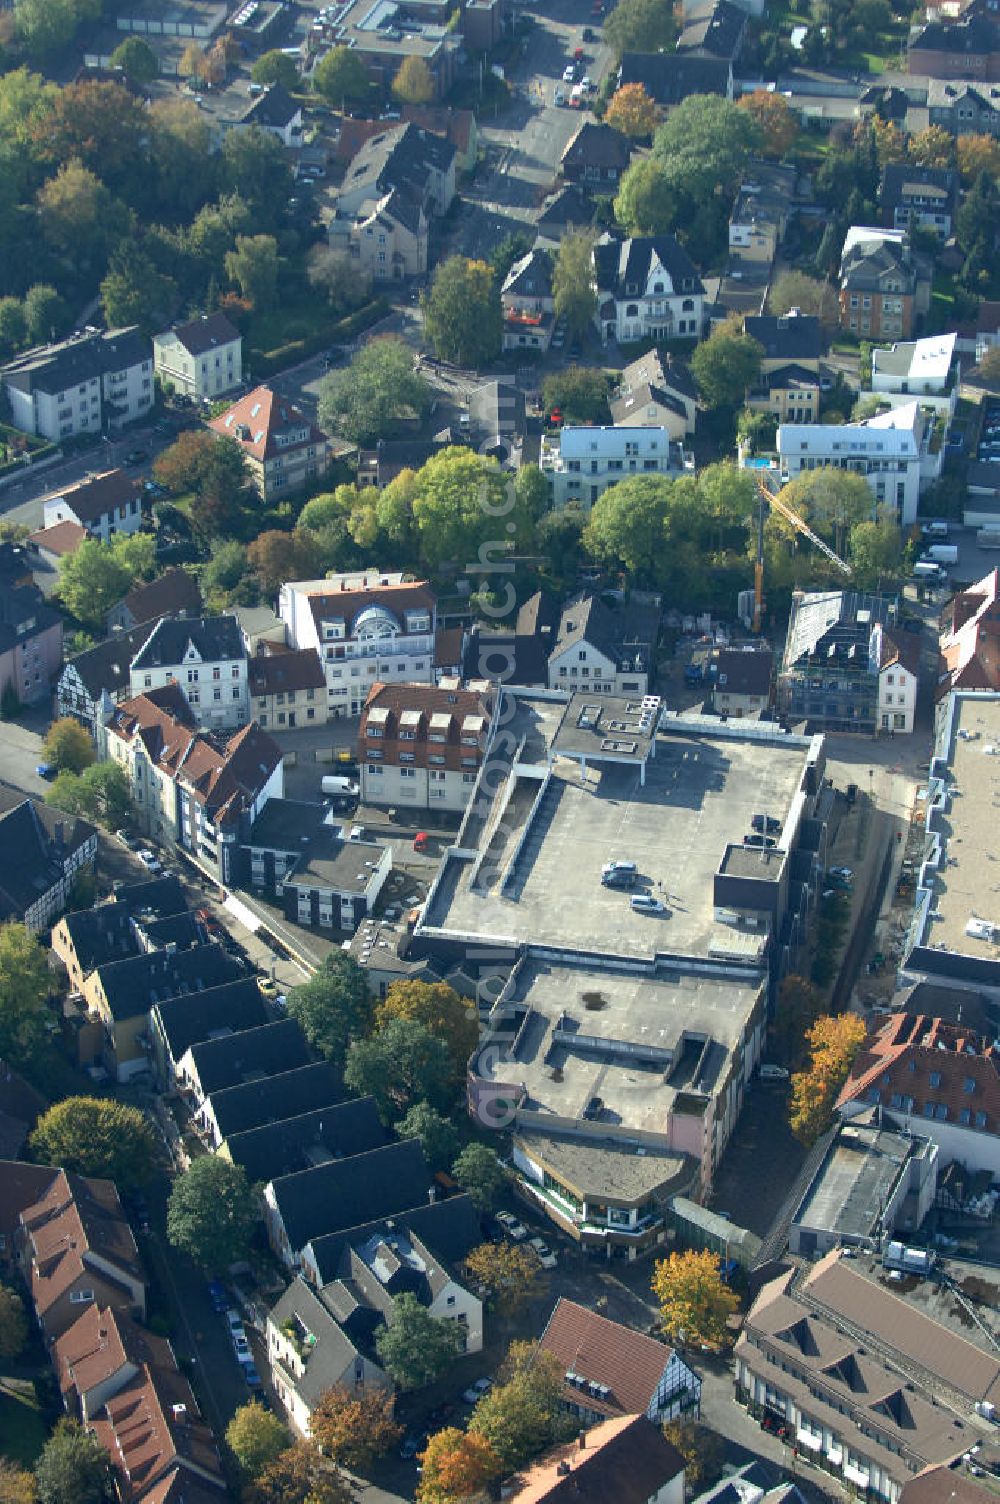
420, 840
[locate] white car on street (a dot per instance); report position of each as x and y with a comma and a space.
546, 1257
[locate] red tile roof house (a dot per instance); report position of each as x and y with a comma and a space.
626, 1460
612, 1370
940, 1079
969, 644
76, 1248
160, 1448
100, 1353
283, 449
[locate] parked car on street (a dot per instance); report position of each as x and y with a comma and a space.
476, 1391
546, 1257
151, 861
47, 771
511, 1226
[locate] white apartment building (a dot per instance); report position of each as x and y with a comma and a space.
423, 745
206, 658
898, 657
202, 358
368, 628
891, 451
104, 505
583, 462
90, 383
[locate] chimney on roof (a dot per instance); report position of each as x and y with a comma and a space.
180, 1414
431, 1194
582, 1439
563, 1469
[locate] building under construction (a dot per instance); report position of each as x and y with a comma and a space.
829, 674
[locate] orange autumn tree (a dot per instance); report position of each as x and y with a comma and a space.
457, 1465
354, 1427
695, 1302
632, 112
777, 121
833, 1044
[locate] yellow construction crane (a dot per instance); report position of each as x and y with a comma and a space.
772, 499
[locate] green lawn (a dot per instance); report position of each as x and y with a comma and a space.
23, 1432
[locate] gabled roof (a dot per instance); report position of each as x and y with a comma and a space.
661, 370
626, 1459
332, 1354
60, 539
713, 30
976, 36
531, 276
570, 207
212, 638
291, 671
228, 1008
346, 1192
107, 666
238, 1058
135, 984
669, 77
275, 108
79, 358
443, 120
100, 1344
628, 409
36, 841
260, 419
401, 157
970, 642
98, 495
151, 1428
256, 1104
902, 649
925, 1068
74, 1219
604, 1352
900, 179
333, 1132
623, 264
791, 337
208, 332
866, 263
619, 635
25, 615
945, 1485
449, 1228
744, 673
597, 145
176, 592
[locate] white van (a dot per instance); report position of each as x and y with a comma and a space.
339, 787
925, 569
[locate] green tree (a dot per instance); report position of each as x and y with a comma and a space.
225, 574
211, 1213
400, 1065
92, 580
44, 313
438, 1137
524, 1414
134, 292
627, 525
449, 1017
813, 295
695, 1303
371, 397
647, 202
78, 216
354, 1426
137, 60
253, 264
726, 365
876, 552
334, 1007
641, 26
704, 144
68, 746
463, 503
255, 171
96, 1136
414, 83
574, 293
580, 393
462, 316
976, 218
13, 1324
345, 282
24, 991
256, 1438
274, 67
341, 78
415, 1347
100, 793
73, 1468
45, 26
830, 500
478, 1171
13, 327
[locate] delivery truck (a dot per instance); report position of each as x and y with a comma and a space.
339, 787
941, 553
988, 537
